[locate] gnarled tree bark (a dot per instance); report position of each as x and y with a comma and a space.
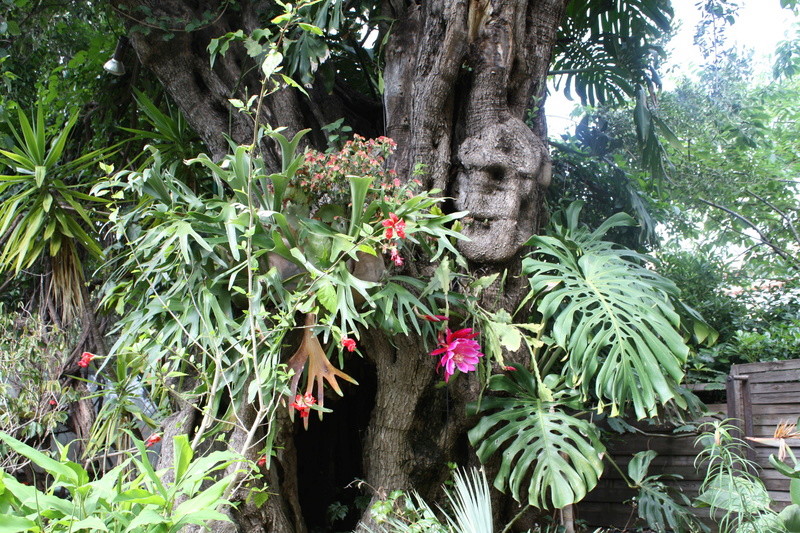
460, 76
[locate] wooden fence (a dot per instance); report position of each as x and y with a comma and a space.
759, 397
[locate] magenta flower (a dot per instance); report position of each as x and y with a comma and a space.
458, 350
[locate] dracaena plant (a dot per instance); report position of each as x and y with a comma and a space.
43, 207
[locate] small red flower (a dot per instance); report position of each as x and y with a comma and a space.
262, 461
509, 368
303, 404
152, 439
53, 402
349, 344
394, 224
86, 358
395, 256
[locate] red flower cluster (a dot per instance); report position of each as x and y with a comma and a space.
262, 461
86, 358
458, 350
394, 224
349, 344
152, 439
303, 404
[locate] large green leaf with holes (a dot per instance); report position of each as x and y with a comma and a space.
550, 458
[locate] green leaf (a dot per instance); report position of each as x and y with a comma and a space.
612, 315
16, 524
557, 453
60, 471
735, 494
359, 185
310, 28
640, 462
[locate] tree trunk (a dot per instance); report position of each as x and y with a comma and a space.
460, 77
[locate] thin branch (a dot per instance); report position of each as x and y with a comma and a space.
781, 213
763, 237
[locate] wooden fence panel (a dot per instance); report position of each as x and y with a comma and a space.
760, 396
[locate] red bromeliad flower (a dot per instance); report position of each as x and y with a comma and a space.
152, 439
262, 461
458, 350
303, 404
394, 224
349, 344
86, 358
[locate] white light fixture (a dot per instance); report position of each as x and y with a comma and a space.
114, 66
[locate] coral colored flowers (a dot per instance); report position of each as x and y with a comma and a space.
394, 225
262, 461
349, 344
303, 404
86, 358
152, 439
458, 350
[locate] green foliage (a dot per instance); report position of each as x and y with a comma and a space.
605, 48
32, 358
611, 314
731, 489
131, 498
470, 504
42, 207
559, 454
209, 286
662, 508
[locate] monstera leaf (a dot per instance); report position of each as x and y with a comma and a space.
611, 314
548, 453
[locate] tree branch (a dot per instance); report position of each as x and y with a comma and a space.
763, 237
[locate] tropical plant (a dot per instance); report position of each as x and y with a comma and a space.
611, 314
469, 503
660, 506
43, 213
549, 457
736, 498
131, 498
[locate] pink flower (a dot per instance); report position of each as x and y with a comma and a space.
303, 404
53, 402
509, 368
395, 256
394, 224
349, 343
86, 358
152, 439
458, 350
262, 461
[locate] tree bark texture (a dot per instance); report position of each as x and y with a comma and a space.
460, 77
